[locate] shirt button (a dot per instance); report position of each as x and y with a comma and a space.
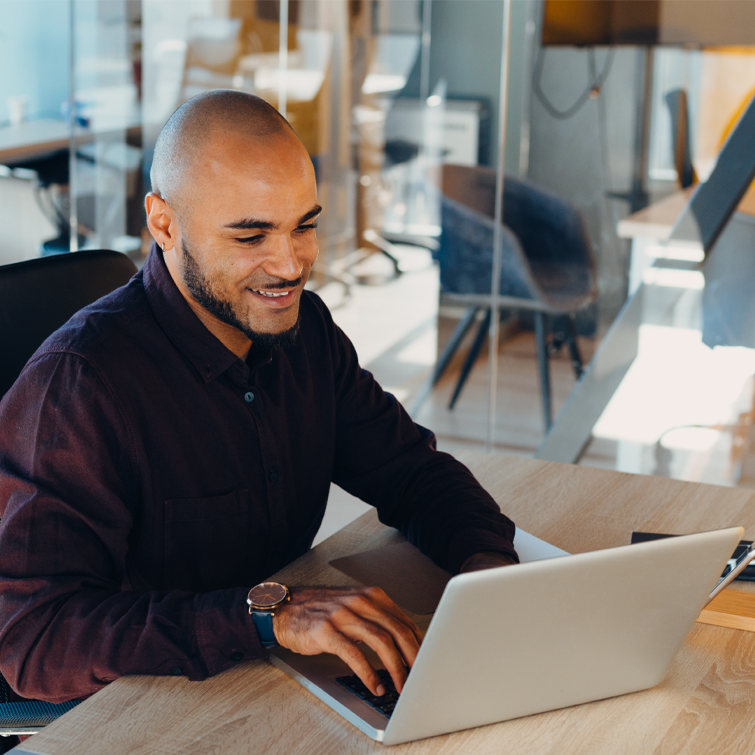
248, 397
236, 656
273, 477
176, 671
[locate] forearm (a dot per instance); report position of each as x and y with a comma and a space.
436, 502
92, 637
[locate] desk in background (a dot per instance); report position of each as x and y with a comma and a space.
108, 163
33, 138
703, 706
650, 227
40, 137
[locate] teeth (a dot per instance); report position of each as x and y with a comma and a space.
270, 294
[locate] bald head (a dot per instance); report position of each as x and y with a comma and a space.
191, 129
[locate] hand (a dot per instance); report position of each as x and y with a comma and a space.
335, 619
480, 561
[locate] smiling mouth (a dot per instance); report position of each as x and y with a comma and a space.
275, 299
279, 293
271, 294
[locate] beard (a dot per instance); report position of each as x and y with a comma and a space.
200, 288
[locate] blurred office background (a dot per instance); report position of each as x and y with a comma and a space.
610, 107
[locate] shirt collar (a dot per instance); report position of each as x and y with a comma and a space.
174, 315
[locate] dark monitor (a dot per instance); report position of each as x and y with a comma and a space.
697, 23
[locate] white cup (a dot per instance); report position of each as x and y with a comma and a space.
17, 107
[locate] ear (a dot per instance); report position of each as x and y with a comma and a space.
161, 221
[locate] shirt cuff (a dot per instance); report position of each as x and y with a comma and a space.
468, 542
224, 631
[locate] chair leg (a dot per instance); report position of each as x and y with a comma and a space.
456, 338
543, 367
482, 332
571, 338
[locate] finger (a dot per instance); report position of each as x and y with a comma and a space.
402, 636
379, 596
340, 645
401, 633
382, 642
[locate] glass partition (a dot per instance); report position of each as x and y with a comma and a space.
35, 56
107, 181
399, 103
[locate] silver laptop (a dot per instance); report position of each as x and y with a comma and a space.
538, 636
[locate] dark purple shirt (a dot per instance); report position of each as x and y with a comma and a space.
149, 478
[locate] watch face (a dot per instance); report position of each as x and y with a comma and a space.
267, 594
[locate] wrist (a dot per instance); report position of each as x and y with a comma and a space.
264, 600
486, 560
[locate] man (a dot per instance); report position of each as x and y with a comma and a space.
174, 443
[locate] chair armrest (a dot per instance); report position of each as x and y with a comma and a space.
30, 716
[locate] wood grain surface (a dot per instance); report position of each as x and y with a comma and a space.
703, 706
731, 609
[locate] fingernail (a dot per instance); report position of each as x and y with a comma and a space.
380, 690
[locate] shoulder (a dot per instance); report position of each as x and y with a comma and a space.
318, 329
99, 346
77, 373
316, 322
313, 307
108, 323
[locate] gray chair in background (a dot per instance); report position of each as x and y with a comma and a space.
548, 267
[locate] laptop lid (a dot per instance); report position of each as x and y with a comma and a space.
544, 635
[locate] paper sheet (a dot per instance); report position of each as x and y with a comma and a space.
412, 580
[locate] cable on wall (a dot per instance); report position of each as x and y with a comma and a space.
592, 91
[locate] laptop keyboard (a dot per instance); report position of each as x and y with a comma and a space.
385, 703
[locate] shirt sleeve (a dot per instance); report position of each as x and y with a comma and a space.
387, 460
69, 624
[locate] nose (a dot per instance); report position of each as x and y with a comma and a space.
282, 261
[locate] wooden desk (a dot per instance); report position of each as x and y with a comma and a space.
703, 706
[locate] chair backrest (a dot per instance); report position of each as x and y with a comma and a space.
470, 185
549, 228
547, 255
678, 108
39, 296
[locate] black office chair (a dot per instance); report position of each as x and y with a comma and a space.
40, 295
36, 298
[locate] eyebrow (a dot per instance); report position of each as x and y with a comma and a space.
249, 224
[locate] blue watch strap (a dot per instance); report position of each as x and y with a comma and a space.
263, 623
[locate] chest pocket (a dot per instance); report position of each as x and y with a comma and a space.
206, 542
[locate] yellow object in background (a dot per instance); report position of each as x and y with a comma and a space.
735, 119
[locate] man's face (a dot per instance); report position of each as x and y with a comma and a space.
247, 234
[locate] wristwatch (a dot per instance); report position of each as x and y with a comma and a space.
263, 599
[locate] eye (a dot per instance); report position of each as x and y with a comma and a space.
251, 239
306, 227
